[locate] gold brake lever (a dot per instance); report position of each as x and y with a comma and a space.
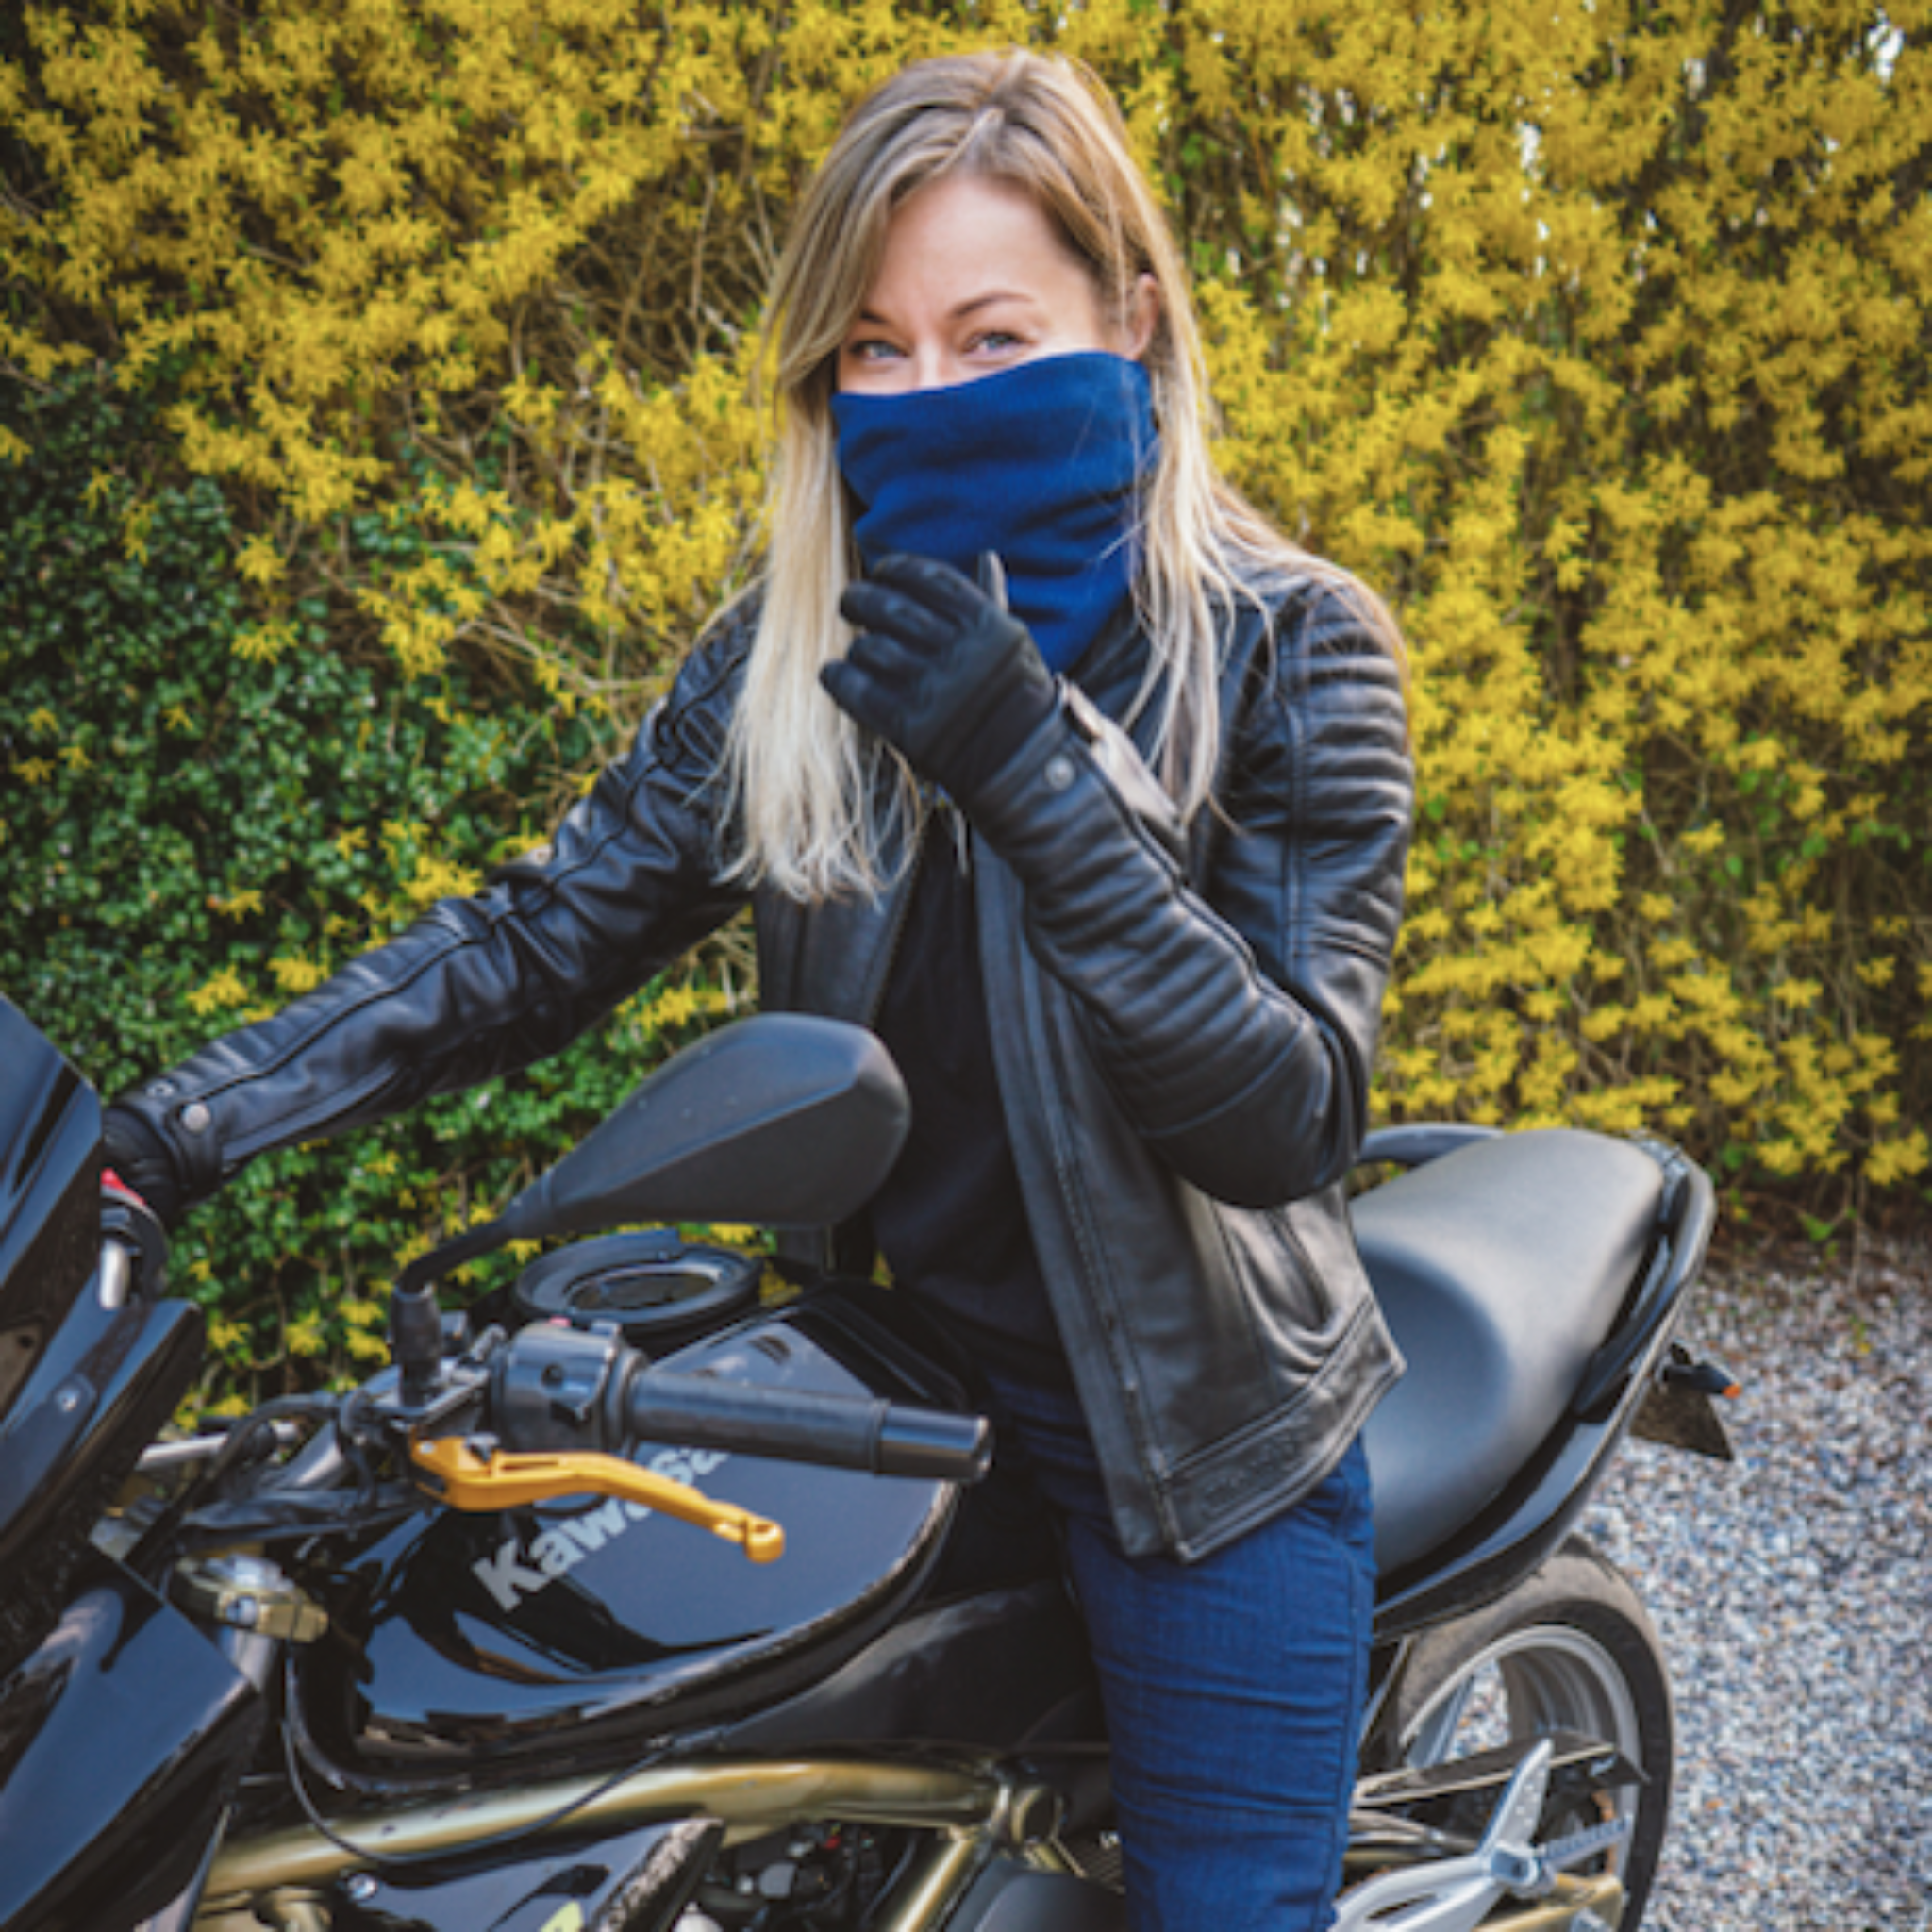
465, 1480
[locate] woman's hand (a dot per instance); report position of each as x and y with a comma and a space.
942, 671
138, 1155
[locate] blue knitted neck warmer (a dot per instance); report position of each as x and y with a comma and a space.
1038, 463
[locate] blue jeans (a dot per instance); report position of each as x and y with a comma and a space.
1233, 1686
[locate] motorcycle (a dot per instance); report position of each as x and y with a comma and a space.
470, 1647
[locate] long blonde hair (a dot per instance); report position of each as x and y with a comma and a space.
805, 780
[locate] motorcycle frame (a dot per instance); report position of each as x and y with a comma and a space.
975, 1812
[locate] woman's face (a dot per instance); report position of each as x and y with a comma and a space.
976, 279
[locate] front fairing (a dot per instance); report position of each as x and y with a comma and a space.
50, 1194
121, 1736
88, 1373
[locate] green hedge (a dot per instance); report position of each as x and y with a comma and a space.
196, 830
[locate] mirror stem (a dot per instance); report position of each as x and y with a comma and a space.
415, 1339
415, 1323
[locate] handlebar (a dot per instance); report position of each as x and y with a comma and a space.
565, 1410
556, 1388
804, 1425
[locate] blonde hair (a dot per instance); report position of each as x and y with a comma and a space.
813, 793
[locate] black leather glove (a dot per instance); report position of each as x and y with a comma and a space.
942, 670
145, 1162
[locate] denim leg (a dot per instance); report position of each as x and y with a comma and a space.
1233, 1686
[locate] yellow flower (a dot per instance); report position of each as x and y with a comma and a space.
438, 879
264, 644
134, 530
675, 1008
222, 990
260, 562
296, 973
304, 1336
1900, 1159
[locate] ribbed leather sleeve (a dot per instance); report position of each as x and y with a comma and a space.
479, 987
1234, 1014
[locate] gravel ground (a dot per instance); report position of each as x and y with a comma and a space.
1793, 1593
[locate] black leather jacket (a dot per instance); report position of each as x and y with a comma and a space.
1183, 1028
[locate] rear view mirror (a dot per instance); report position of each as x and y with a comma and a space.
782, 1120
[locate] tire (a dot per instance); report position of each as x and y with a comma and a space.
1569, 1648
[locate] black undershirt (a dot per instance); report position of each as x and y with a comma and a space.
951, 1221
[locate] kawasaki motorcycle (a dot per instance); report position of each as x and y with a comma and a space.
644, 1598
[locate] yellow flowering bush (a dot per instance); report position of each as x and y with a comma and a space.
1596, 338
1599, 341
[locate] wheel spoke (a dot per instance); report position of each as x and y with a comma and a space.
1569, 1648
1435, 1736
1527, 1684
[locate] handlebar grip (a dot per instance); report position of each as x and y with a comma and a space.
804, 1425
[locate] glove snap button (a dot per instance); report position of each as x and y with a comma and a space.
196, 1118
1059, 771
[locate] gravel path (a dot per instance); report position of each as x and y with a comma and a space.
1794, 1592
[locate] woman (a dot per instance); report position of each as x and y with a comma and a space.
1043, 754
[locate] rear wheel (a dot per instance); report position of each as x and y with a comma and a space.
1568, 1649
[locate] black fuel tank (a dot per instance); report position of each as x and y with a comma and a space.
576, 1628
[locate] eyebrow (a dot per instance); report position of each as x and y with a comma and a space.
964, 310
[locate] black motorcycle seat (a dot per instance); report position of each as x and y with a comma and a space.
1501, 1269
